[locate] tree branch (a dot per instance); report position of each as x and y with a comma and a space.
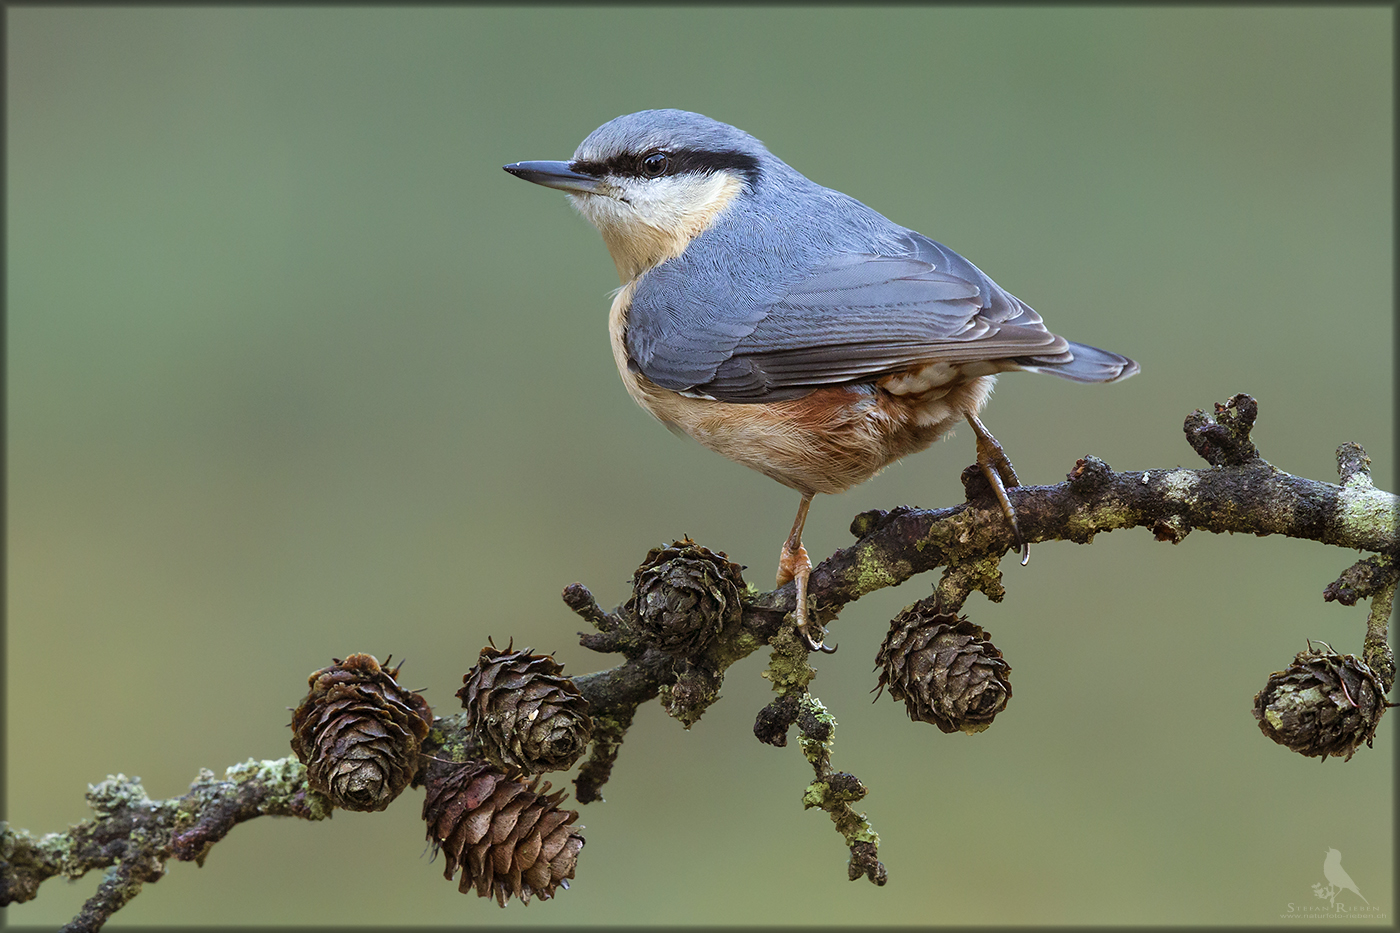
134, 836
1241, 493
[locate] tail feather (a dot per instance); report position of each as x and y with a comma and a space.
1081, 363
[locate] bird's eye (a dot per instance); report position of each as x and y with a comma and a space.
655, 164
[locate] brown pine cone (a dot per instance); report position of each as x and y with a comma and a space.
358, 733
683, 596
526, 715
1323, 704
508, 838
944, 669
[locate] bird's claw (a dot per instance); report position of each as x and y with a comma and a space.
814, 644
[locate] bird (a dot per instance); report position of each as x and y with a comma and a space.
1337, 876
788, 326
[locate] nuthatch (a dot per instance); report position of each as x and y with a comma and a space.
788, 326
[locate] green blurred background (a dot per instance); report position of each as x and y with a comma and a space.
295, 370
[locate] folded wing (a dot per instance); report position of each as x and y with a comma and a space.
855, 317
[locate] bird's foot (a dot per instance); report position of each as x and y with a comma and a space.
808, 630
794, 564
1000, 474
990, 453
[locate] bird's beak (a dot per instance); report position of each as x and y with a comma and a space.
555, 175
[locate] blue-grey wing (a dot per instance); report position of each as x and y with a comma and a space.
686, 317
854, 317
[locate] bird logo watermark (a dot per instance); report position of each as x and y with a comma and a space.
1337, 879
1344, 899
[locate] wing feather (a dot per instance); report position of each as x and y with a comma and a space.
856, 316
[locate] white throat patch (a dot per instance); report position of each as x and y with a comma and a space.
646, 221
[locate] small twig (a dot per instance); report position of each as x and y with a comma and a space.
832, 791
134, 836
1376, 651
1362, 579
1223, 440
960, 579
835, 791
1353, 464
608, 732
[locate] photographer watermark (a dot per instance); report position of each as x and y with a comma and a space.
1344, 899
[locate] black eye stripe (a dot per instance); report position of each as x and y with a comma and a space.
680, 162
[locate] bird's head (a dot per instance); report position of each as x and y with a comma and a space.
652, 181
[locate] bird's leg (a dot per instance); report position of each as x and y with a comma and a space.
794, 564
793, 558
1000, 474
